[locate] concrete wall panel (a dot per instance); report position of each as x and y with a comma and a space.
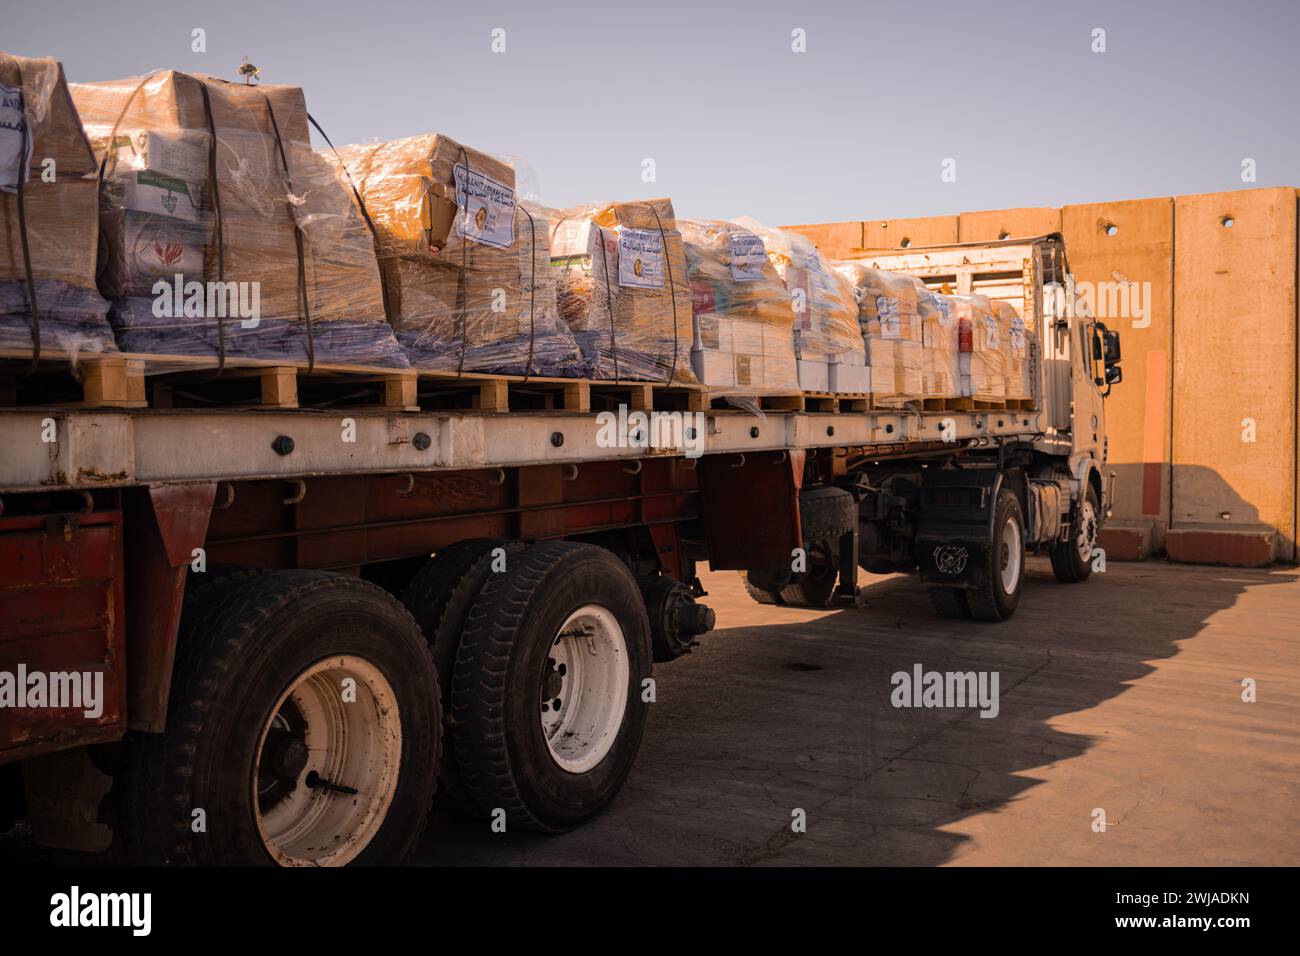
1235, 362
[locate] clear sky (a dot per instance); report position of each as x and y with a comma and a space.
858, 126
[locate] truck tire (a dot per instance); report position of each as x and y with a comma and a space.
812, 588
997, 598
1072, 559
760, 594
263, 727
949, 602
826, 513
439, 598
568, 617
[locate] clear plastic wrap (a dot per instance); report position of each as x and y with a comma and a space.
743, 341
891, 327
61, 215
940, 362
1015, 341
623, 289
827, 341
276, 220
466, 269
983, 359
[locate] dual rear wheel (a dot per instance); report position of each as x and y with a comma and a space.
312, 715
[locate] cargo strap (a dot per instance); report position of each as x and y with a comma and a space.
218, 219
297, 235
24, 167
672, 291
532, 284
462, 290
609, 299
365, 214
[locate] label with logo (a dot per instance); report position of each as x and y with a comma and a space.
163, 196
641, 258
748, 256
485, 209
14, 160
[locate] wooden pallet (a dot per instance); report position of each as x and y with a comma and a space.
176, 381
86, 381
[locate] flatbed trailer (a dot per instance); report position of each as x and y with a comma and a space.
287, 676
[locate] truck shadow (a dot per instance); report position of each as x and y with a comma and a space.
790, 711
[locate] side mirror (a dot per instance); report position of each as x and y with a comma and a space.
1114, 375
1110, 346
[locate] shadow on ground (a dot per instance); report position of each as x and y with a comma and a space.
791, 709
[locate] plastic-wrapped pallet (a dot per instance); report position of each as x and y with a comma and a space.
208, 182
460, 258
38, 122
982, 357
743, 341
1015, 342
623, 289
940, 362
827, 341
891, 328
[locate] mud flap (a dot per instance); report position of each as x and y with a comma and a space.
956, 525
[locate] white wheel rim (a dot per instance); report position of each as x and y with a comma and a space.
1012, 554
344, 712
1087, 530
584, 688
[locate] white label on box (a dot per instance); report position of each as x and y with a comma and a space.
180, 154
155, 248
991, 336
641, 258
163, 196
13, 129
747, 257
891, 320
1018, 334
485, 209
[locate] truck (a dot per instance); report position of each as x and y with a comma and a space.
281, 635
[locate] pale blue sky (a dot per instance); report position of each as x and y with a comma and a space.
737, 124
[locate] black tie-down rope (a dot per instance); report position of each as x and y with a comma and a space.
532, 287
23, 168
365, 214
609, 301
672, 291
297, 235
462, 287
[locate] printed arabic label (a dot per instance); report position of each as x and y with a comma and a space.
13, 126
641, 258
747, 257
485, 209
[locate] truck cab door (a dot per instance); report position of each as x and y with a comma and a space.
1089, 407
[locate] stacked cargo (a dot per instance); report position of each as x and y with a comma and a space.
941, 346
1016, 344
889, 318
58, 228
466, 268
743, 341
983, 357
224, 232
827, 341
623, 289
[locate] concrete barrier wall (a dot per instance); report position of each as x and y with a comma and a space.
1203, 434
1114, 243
